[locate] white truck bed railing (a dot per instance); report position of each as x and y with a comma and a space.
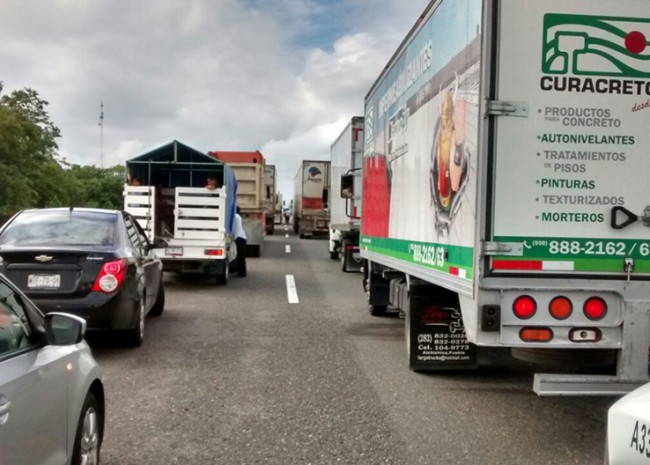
199, 213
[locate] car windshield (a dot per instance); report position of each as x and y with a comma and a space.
60, 227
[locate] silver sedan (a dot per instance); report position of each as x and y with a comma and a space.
51, 391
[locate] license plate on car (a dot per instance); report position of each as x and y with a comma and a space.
174, 251
44, 281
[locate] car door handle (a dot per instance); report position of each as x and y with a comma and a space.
5, 407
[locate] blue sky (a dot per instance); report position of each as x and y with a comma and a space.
283, 76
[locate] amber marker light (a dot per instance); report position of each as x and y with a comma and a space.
536, 334
595, 308
560, 308
524, 307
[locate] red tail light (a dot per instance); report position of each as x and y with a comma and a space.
524, 307
560, 308
111, 276
595, 308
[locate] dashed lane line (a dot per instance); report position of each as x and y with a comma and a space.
292, 292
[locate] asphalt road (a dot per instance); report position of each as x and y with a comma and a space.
237, 375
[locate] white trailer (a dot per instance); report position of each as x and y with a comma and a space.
345, 203
504, 187
190, 225
311, 198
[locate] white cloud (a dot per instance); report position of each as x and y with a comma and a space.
283, 77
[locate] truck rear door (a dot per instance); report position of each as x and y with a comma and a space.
571, 138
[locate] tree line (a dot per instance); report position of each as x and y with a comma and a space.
32, 172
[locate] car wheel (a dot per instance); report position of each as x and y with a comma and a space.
159, 306
88, 439
135, 336
222, 279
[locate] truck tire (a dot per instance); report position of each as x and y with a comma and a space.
374, 309
377, 310
254, 251
222, 279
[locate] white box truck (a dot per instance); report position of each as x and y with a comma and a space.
345, 203
504, 188
311, 198
189, 225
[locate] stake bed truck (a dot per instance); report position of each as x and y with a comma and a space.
189, 224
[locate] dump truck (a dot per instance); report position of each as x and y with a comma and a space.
270, 186
249, 171
345, 204
311, 198
504, 198
189, 225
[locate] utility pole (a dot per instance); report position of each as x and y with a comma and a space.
101, 134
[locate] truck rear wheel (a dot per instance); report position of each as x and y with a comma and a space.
373, 309
222, 279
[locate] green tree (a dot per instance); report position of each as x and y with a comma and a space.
30, 174
34, 175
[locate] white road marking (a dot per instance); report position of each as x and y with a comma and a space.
286, 235
287, 248
286, 228
292, 292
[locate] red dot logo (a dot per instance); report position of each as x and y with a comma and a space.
635, 42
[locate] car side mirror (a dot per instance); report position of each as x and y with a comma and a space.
347, 186
63, 329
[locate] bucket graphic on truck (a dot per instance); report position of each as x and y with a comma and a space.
449, 157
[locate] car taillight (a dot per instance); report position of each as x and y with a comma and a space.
524, 307
532, 334
214, 252
595, 308
560, 308
111, 276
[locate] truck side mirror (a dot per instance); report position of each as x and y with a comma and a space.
326, 197
347, 186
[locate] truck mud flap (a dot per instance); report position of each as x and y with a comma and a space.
435, 335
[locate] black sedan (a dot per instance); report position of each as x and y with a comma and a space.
97, 264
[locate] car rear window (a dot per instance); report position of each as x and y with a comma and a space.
61, 227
